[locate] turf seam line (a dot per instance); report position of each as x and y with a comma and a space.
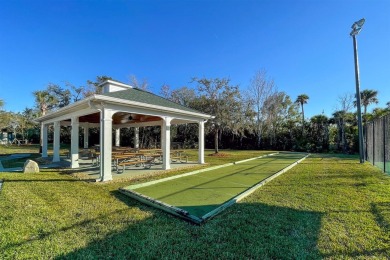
250, 159
246, 193
137, 186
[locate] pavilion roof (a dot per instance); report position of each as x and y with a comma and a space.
142, 96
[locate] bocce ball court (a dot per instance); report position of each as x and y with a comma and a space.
198, 196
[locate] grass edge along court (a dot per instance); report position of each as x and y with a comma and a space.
253, 173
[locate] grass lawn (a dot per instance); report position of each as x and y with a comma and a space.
328, 206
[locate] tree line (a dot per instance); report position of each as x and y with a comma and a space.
258, 117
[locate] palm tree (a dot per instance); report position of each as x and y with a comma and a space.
44, 101
388, 104
367, 97
320, 131
379, 112
302, 99
343, 120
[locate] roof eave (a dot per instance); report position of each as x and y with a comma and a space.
153, 107
62, 110
102, 98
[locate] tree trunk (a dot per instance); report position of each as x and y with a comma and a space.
343, 141
303, 120
216, 141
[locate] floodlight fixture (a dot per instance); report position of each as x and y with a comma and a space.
357, 27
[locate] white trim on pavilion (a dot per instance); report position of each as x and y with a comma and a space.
104, 108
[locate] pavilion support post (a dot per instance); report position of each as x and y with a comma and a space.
117, 137
201, 143
44, 139
74, 146
136, 137
105, 144
86, 135
56, 142
166, 142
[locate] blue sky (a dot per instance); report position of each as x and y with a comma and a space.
304, 45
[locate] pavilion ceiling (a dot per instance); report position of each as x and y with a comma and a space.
120, 118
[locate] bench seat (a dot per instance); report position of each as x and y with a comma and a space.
135, 162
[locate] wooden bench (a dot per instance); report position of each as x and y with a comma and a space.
135, 162
175, 158
178, 155
95, 156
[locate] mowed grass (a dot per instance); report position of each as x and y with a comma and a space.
328, 206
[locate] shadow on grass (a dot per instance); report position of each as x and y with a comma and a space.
335, 155
42, 235
243, 231
40, 177
47, 180
381, 212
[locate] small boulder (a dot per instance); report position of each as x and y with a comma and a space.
30, 167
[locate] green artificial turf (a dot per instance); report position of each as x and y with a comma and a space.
200, 193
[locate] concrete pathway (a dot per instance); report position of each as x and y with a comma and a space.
10, 157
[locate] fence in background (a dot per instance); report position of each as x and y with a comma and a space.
377, 135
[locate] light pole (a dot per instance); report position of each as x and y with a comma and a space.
356, 28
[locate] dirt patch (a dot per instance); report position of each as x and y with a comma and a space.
219, 154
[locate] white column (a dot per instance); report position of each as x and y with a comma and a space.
117, 137
86, 135
201, 143
56, 142
105, 144
74, 143
166, 142
136, 137
44, 139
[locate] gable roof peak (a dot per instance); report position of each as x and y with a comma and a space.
110, 85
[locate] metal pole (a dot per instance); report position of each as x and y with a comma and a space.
359, 112
373, 142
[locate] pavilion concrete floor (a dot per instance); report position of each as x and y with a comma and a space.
90, 170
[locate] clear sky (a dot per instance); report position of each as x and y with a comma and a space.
304, 45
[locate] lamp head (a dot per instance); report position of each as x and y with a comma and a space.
361, 22
357, 27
